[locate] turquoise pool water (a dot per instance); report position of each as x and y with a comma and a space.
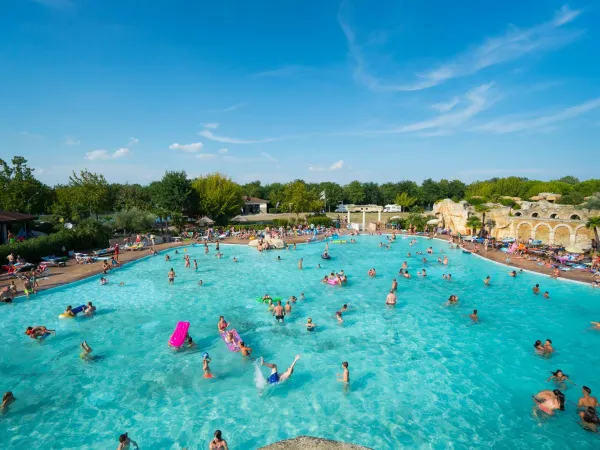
421, 374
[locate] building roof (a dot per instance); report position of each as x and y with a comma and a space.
7, 216
254, 200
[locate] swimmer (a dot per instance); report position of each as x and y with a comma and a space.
371, 272
122, 283
344, 308
171, 276
487, 280
205, 366
595, 325
218, 443
548, 350
229, 337
278, 258
391, 298
587, 400
294, 246
318, 266
409, 255
512, 274
200, 283
7, 399
288, 307
300, 264
302, 296
125, 442
222, 325
559, 378
546, 294
176, 252
439, 260
452, 300
86, 355
103, 281
549, 401
38, 332
279, 312
310, 326
196, 265
235, 259
423, 273
394, 285
189, 341
344, 377
338, 316
536, 289
474, 317
445, 260
167, 258
406, 274
275, 378
404, 265
589, 419
68, 312
424, 260
244, 350
539, 347
89, 310
293, 299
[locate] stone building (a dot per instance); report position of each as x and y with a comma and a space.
542, 220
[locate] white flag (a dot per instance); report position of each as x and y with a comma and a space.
323, 195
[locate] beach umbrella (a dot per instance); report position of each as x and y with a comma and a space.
433, 222
574, 249
239, 219
205, 221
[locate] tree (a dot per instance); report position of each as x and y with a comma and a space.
388, 192
20, 191
253, 189
297, 198
134, 220
572, 198
334, 193
90, 191
482, 209
354, 193
430, 192
220, 198
473, 222
130, 196
404, 200
417, 220
173, 193
569, 179
593, 223
372, 193
593, 202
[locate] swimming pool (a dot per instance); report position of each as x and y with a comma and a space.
421, 374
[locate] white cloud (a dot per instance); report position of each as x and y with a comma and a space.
190, 148
445, 107
222, 151
269, 157
71, 141
133, 141
212, 126
513, 44
230, 140
503, 126
335, 166
96, 155
39, 171
206, 156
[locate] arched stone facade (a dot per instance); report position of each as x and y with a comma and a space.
543, 232
562, 235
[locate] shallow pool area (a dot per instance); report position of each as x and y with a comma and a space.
422, 375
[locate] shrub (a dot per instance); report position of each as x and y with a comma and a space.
473, 201
507, 202
320, 221
273, 211
87, 235
280, 222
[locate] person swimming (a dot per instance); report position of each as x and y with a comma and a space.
310, 326
275, 378
371, 272
7, 399
546, 294
559, 378
536, 289
86, 354
487, 280
171, 275
69, 312
391, 298
338, 316
89, 310
474, 317
550, 401
244, 350
589, 419
344, 377
103, 281
587, 399
38, 332
539, 347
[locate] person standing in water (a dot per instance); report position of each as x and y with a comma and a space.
7, 399
218, 443
344, 377
125, 443
195, 265
587, 400
171, 276
391, 298
394, 285
244, 350
536, 289
288, 308
205, 366
487, 280
279, 312
275, 378
300, 264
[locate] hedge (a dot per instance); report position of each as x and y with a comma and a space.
281, 222
320, 220
34, 249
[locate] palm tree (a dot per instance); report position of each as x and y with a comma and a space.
594, 224
482, 209
473, 222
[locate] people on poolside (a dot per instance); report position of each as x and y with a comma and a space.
171, 276
391, 298
114, 262
589, 419
218, 443
244, 349
125, 442
371, 272
279, 312
536, 289
310, 326
205, 366
6, 295
587, 400
7, 399
275, 378
344, 377
89, 310
555, 273
38, 332
487, 280
222, 325
474, 316
550, 401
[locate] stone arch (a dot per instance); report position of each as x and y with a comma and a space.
542, 232
582, 237
575, 217
554, 216
562, 235
535, 215
518, 214
523, 231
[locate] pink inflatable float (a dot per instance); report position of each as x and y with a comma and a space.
178, 336
333, 281
233, 341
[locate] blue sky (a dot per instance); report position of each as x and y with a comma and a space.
320, 90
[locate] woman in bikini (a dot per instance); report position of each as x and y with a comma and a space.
218, 443
222, 325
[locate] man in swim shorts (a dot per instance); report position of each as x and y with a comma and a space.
391, 298
279, 312
275, 378
587, 399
